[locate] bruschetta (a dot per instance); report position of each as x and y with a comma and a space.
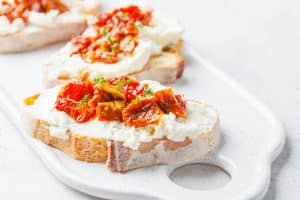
126, 41
30, 24
126, 123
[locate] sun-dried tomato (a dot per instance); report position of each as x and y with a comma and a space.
21, 8
142, 113
115, 33
110, 111
73, 100
128, 86
120, 99
169, 102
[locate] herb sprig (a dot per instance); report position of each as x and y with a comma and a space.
147, 92
139, 25
84, 100
119, 84
100, 80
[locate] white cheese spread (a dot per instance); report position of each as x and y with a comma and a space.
77, 10
8, 28
200, 117
152, 39
43, 19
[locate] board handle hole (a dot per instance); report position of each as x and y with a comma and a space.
200, 176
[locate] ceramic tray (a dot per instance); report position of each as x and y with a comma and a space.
252, 136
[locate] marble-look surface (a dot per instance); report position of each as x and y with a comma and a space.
257, 42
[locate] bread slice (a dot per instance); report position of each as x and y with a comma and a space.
164, 68
120, 158
85, 148
33, 37
28, 39
163, 151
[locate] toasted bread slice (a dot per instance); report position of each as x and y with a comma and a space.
120, 158
33, 36
165, 68
30, 39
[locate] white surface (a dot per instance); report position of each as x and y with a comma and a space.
244, 124
256, 41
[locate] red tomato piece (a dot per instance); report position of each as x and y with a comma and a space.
169, 102
142, 113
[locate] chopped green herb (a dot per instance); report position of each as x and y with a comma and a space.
114, 47
84, 100
100, 80
104, 32
108, 37
121, 14
147, 92
139, 25
136, 100
119, 84
128, 81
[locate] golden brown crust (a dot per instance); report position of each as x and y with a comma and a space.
79, 147
89, 149
92, 149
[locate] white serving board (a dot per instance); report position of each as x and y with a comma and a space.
252, 136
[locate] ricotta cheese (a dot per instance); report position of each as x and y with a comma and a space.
7, 27
43, 19
152, 39
64, 65
200, 117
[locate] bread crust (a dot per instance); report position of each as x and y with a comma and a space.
164, 68
123, 159
120, 158
85, 148
30, 40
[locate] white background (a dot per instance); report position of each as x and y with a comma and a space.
256, 41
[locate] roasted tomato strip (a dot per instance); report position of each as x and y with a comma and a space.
124, 88
73, 100
129, 88
169, 102
110, 111
115, 33
20, 8
119, 99
142, 113
132, 90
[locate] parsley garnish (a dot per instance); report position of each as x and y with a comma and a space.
128, 81
104, 32
114, 47
139, 25
119, 84
108, 37
84, 100
100, 80
121, 14
147, 92
136, 100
